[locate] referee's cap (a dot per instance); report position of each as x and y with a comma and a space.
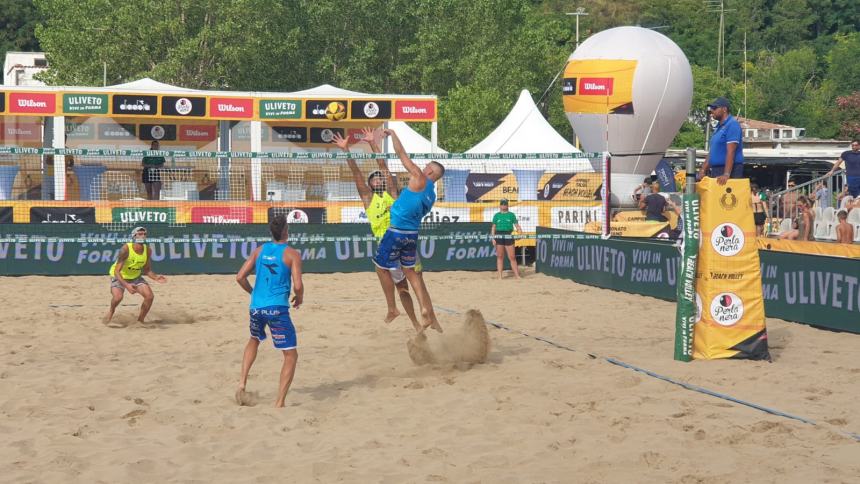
720, 102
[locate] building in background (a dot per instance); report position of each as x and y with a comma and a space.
20, 68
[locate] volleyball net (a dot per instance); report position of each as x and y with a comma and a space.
115, 188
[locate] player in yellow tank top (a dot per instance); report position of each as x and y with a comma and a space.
127, 272
378, 195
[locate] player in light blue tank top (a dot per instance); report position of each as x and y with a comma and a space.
399, 246
279, 269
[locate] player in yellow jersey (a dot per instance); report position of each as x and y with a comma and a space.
126, 274
378, 195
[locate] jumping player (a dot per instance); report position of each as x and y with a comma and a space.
378, 195
278, 269
132, 261
399, 245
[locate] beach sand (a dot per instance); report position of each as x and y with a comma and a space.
82, 402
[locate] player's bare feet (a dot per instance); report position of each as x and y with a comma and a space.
392, 315
279, 404
430, 321
418, 328
240, 396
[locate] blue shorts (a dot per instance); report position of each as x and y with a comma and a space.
718, 171
854, 186
277, 318
398, 248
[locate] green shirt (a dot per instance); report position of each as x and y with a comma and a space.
153, 160
505, 221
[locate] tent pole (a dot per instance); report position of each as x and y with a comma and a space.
434, 137
256, 164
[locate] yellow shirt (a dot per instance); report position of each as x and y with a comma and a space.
133, 265
379, 213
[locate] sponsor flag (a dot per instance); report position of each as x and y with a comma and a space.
665, 176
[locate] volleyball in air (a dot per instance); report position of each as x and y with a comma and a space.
335, 111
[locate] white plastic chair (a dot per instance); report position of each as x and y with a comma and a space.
854, 216
784, 226
828, 215
821, 230
843, 204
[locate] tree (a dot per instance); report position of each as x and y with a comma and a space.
849, 109
779, 82
844, 68
17, 23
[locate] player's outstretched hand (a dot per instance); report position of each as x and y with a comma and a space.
131, 289
340, 141
297, 301
370, 135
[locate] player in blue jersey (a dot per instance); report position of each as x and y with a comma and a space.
278, 269
399, 246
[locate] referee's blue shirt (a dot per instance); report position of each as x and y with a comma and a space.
729, 131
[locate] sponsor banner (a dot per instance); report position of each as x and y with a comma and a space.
32, 103
190, 132
316, 109
290, 134
207, 249
6, 215
575, 217
22, 131
134, 105
183, 106
143, 215
242, 132
570, 186
280, 108
231, 108
353, 215
80, 130
644, 229
325, 135
527, 216
808, 247
439, 214
370, 109
728, 282
647, 268
484, 187
222, 215
300, 215
686, 313
598, 86
628, 216
415, 110
85, 103
157, 132
810, 289
113, 131
62, 215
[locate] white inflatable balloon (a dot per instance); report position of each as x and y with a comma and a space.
627, 90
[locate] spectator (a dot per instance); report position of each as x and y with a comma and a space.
152, 166
643, 189
654, 204
803, 222
851, 158
844, 199
789, 200
725, 158
759, 215
844, 231
822, 196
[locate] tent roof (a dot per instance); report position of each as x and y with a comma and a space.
147, 84
524, 130
412, 141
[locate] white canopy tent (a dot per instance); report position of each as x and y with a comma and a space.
524, 130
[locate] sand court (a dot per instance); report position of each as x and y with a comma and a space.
82, 402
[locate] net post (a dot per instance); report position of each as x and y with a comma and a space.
607, 193
690, 186
256, 163
685, 310
59, 141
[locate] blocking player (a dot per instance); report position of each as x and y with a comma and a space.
378, 195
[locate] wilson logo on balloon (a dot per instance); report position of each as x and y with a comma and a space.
728, 239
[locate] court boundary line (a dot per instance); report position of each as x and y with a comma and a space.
658, 376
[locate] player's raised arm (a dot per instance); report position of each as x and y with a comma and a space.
417, 179
247, 269
364, 191
372, 137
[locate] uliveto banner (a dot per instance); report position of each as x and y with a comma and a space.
208, 249
811, 289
